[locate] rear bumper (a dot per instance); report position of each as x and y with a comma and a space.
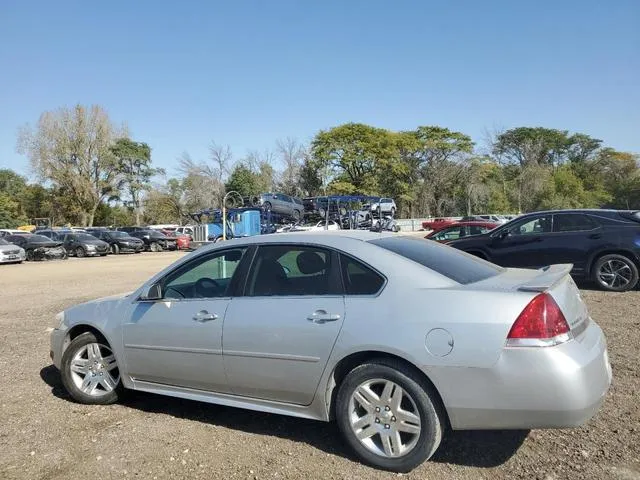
543, 387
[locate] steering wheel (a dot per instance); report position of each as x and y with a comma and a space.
207, 287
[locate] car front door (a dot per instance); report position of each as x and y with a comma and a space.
177, 340
523, 244
278, 337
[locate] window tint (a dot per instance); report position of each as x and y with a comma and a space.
572, 222
452, 233
451, 263
359, 279
291, 270
477, 230
532, 226
206, 277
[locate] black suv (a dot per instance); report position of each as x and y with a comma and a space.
602, 245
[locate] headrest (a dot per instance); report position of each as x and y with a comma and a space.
310, 262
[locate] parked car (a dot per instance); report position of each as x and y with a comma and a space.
438, 223
58, 234
384, 205
307, 321
84, 245
38, 247
10, 253
5, 232
319, 226
602, 245
282, 204
154, 241
460, 230
119, 242
492, 218
187, 230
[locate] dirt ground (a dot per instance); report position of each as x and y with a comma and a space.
43, 435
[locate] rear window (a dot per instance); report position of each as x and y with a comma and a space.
447, 261
635, 216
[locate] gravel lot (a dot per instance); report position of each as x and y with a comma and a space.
45, 436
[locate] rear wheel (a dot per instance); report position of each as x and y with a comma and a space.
389, 416
154, 247
296, 215
615, 273
30, 256
90, 372
267, 206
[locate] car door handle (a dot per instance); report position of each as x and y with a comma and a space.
321, 316
204, 316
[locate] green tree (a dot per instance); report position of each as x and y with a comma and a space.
243, 181
311, 182
10, 216
12, 183
532, 146
134, 163
351, 151
71, 147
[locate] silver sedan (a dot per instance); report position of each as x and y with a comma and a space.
395, 338
10, 253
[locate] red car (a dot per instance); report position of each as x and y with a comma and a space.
438, 223
456, 230
183, 241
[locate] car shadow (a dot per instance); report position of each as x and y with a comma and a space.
483, 449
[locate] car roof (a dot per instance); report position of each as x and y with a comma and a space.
580, 210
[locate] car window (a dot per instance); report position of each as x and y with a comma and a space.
287, 270
451, 263
572, 222
206, 277
534, 226
477, 230
452, 233
359, 279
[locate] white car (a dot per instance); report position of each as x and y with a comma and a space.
493, 218
386, 205
320, 226
5, 232
10, 253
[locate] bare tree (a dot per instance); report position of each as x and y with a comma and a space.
221, 158
292, 154
202, 187
71, 148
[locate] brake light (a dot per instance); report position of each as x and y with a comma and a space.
541, 323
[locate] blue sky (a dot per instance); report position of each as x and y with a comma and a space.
245, 73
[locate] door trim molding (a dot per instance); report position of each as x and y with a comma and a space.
272, 356
203, 351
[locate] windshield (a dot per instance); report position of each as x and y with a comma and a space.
84, 236
118, 234
447, 261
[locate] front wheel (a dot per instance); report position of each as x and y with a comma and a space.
388, 416
90, 372
615, 273
154, 247
80, 253
115, 249
30, 256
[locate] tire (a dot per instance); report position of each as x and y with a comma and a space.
417, 402
101, 389
322, 212
80, 253
267, 206
115, 249
393, 212
154, 247
296, 215
615, 273
138, 251
30, 257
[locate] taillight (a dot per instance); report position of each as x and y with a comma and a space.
540, 324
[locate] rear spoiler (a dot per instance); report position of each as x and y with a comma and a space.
548, 277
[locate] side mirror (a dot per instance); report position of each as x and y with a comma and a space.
154, 292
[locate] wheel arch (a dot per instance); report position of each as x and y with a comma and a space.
611, 251
348, 363
81, 328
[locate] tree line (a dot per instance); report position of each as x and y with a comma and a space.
90, 172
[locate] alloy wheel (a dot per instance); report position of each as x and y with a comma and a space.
94, 370
384, 418
615, 274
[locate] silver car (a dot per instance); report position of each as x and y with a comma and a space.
282, 204
393, 337
10, 253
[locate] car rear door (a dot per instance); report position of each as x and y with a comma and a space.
574, 235
278, 337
